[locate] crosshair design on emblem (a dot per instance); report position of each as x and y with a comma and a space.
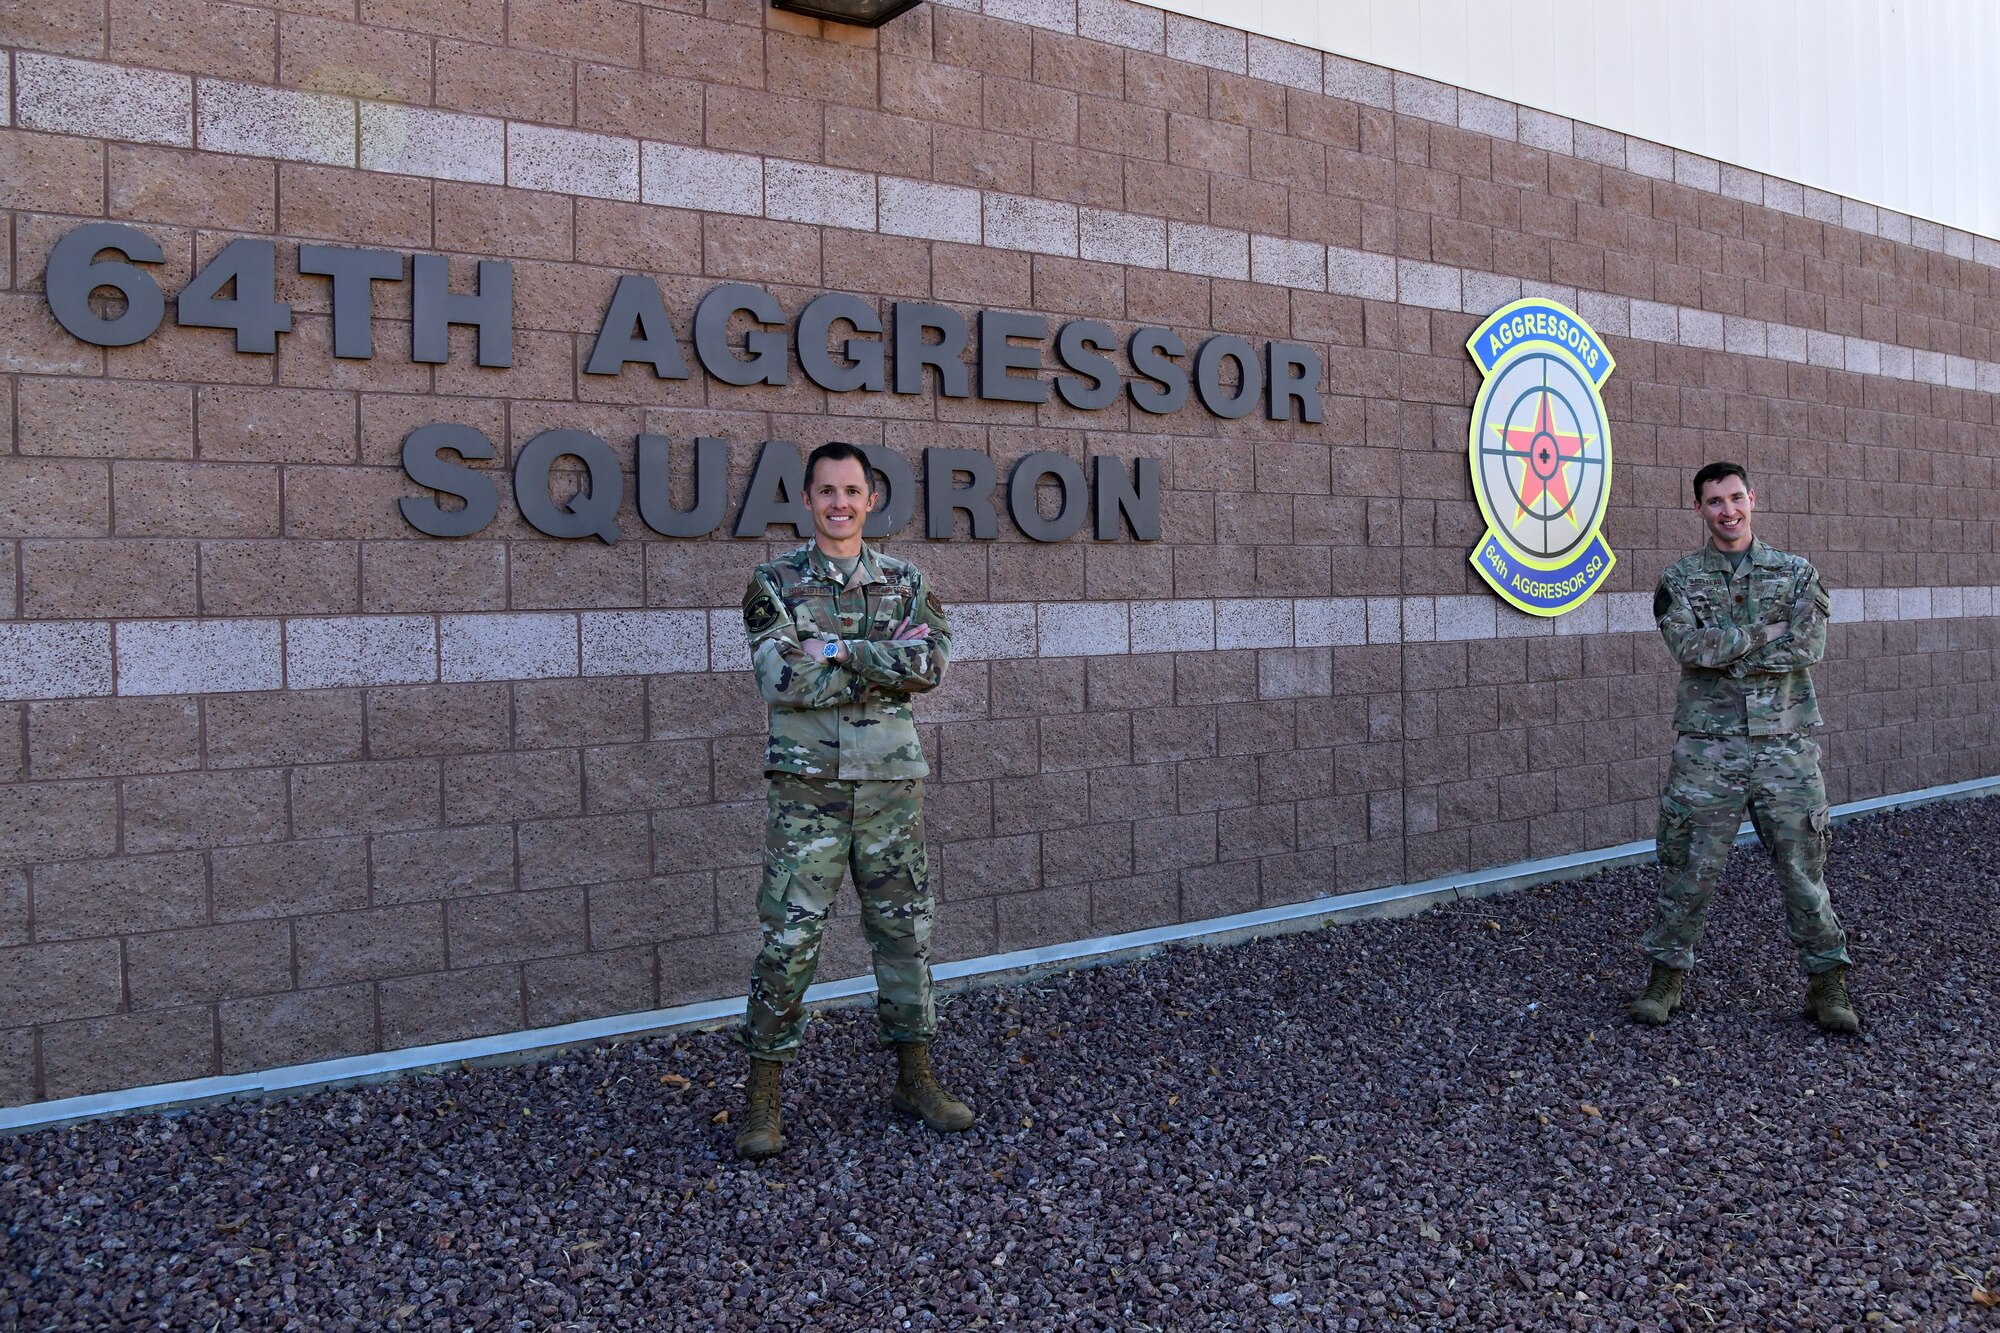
1540, 449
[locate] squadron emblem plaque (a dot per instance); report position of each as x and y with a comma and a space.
1540, 450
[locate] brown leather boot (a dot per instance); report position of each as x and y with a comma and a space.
763, 1133
917, 1092
1827, 1003
1661, 999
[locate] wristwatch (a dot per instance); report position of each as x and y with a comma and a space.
830, 649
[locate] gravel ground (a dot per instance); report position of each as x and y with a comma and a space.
1442, 1122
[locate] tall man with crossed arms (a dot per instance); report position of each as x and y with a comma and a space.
1747, 623
840, 637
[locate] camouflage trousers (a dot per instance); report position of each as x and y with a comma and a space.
815, 829
1714, 778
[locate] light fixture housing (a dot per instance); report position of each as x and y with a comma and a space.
862, 13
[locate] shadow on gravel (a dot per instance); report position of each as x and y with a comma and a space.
1442, 1122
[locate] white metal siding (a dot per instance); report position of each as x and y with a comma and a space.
1894, 102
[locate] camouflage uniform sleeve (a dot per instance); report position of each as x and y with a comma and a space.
786, 674
1694, 644
1804, 645
915, 665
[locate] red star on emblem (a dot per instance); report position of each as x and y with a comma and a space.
1543, 452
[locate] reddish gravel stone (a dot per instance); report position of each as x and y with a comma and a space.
1436, 1123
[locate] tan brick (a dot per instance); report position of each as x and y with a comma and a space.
488, 789
565, 990
750, 121
512, 927
308, 361
203, 810
208, 963
345, 503
755, 250
636, 236
33, 343
705, 969
361, 61
371, 945
18, 1079
724, 704
433, 575
192, 189
450, 1006
70, 27
606, 30
90, 738
418, 867
644, 911
358, 207
592, 850
14, 906
649, 106
551, 714
57, 821
200, 37
48, 497
722, 52
66, 580
50, 173
646, 777
195, 499
277, 425
13, 736
494, 220
1043, 916
127, 1050
296, 1026
120, 896
280, 578
174, 352
417, 720
708, 837
287, 727
494, 81
474, 20
44, 983
577, 574
381, 796
106, 419
290, 879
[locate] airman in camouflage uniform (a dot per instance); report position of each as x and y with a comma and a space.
1747, 623
846, 773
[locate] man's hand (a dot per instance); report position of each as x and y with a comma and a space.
909, 633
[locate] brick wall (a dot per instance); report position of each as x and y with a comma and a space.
284, 780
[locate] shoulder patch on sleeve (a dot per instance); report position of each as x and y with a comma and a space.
933, 604
760, 612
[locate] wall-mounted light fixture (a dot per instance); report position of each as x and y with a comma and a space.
866, 13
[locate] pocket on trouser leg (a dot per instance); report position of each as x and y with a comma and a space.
1817, 842
1675, 835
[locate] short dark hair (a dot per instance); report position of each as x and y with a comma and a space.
1716, 472
836, 449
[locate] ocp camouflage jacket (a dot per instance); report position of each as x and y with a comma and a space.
1744, 640
848, 720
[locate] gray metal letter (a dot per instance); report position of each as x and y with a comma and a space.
354, 273
1138, 497
1152, 351
1208, 376
72, 277
896, 492
421, 462
942, 496
1021, 487
1294, 372
766, 362
777, 493
816, 321
997, 356
434, 308
913, 353
711, 487
594, 510
1080, 346
636, 305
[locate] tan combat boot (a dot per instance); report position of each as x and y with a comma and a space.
1661, 999
1827, 1003
763, 1133
917, 1092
